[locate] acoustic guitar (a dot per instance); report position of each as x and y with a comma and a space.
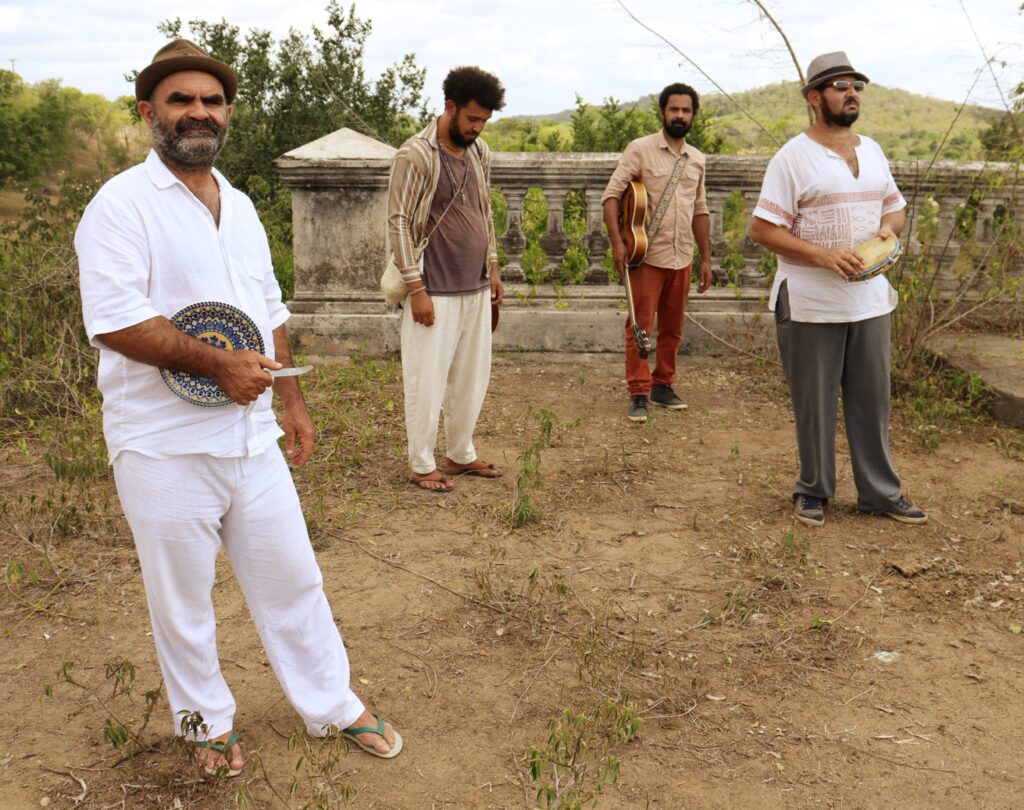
633, 227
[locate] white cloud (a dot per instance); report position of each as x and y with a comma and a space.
545, 51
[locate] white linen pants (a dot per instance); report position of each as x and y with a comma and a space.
446, 366
181, 511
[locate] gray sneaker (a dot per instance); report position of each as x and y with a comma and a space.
638, 409
905, 512
664, 396
809, 510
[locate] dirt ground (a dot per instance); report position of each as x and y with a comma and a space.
768, 664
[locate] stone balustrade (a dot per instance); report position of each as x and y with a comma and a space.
339, 194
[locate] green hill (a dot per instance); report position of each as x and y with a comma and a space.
905, 124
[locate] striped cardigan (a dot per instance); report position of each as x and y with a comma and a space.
415, 171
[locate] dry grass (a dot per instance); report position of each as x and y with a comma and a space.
665, 585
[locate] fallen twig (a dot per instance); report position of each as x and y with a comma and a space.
69, 775
725, 342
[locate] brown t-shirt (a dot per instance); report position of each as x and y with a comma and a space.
455, 261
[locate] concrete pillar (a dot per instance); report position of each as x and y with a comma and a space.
339, 187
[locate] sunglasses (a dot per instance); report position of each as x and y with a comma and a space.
845, 84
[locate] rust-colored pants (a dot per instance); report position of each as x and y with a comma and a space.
662, 292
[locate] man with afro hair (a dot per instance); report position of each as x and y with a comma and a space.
442, 237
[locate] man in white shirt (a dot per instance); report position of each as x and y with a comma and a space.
163, 235
827, 190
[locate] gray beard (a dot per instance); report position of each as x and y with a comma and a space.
187, 152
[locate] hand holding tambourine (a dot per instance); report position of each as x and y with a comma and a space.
877, 254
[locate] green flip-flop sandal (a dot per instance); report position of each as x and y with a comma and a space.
351, 732
220, 748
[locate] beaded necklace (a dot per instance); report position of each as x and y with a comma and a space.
457, 190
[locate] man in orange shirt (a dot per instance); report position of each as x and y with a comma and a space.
660, 285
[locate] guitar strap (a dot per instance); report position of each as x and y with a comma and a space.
666, 197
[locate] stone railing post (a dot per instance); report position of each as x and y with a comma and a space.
946, 248
716, 210
751, 275
554, 242
911, 244
597, 241
719, 244
513, 241
984, 227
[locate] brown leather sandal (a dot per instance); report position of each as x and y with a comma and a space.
481, 470
418, 481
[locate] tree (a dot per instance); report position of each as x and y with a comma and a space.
46, 129
304, 87
35, 127
1004, 139
298, 90
610, 127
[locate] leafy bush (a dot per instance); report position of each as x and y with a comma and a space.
295, 91
47, 368
46, 128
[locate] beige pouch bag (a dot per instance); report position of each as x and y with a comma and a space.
391, 284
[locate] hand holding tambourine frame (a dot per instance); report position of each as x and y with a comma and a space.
877, 255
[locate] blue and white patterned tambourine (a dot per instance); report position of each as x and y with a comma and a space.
220, 325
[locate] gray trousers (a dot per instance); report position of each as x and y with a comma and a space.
819, 360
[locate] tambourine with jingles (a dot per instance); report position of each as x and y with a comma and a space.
878, 255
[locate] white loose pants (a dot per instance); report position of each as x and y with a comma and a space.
446, 366
181, 511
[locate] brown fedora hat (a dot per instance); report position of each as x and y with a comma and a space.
178, 55
824, 67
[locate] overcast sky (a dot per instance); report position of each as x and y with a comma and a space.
546, 51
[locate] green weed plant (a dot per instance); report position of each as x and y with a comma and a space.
47, 368
122, 734
579, 756
524, 509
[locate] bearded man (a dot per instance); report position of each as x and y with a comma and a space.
439, 193
163, 235
672, 171
824, 192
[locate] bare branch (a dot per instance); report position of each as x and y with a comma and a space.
995, 79
703, 72
789, 47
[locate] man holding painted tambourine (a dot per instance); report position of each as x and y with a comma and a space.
825, 193
180, 299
